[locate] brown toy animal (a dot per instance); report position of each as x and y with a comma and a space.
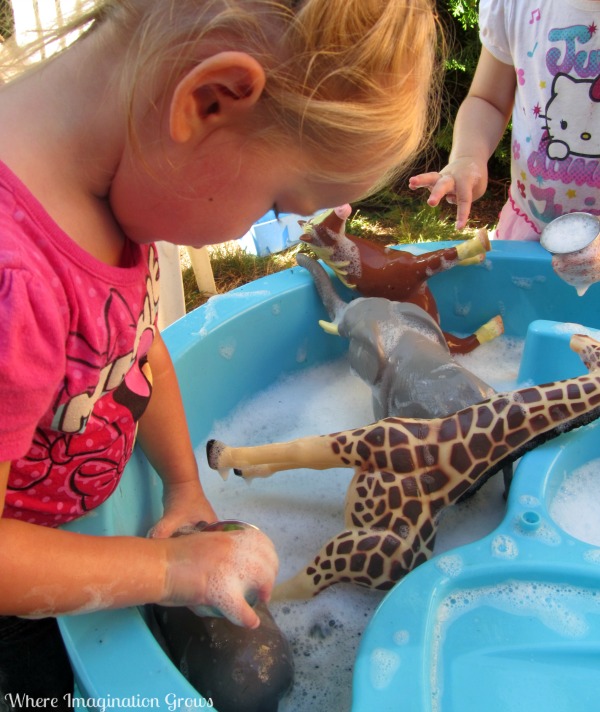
377, 271
407, 470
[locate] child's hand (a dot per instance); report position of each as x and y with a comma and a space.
184, 504
221, 569
461, 182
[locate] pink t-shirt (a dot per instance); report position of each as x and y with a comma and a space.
74, 338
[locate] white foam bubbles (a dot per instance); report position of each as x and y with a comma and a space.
576, 505
383, 666
504, 547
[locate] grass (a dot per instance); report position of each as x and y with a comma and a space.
389, 218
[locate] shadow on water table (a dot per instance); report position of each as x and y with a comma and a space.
437, 643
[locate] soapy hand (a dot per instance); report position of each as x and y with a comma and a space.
184, 504
461, 182
223, 570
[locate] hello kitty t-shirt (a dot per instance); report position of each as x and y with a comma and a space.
554, 46
74, 376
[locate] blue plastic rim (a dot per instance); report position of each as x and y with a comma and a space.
239, 343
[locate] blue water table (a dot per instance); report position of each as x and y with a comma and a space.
510, 622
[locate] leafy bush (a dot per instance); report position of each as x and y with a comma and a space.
459, 19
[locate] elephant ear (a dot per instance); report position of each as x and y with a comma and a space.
366, 353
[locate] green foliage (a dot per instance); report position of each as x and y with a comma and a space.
459, 19
7, 23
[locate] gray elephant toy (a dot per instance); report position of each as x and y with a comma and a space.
399, 350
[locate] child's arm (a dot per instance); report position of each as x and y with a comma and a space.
46, 571
164, 437
479, 126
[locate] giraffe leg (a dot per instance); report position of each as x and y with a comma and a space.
478, 245
313, 452
464, 345
373, 558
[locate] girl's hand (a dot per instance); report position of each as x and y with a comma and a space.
184, 504
461, 182
221, 569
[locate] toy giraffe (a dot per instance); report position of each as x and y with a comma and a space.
407, 470
377, 271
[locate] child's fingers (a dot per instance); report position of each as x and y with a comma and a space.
423, 180
444, 188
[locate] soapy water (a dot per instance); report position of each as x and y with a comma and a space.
564, 609
301, 509
576, 505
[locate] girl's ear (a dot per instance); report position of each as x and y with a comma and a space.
214, 93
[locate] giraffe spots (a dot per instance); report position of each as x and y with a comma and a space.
448, 431
397, 437
426, 455
530, 395
484, 417
384, 522
539, 422
410, 487
559, 412
363, 450
460, 488
433, 481
515, 416
381, 459
513, 440
402, 461
412, 510
357, 562
340, 565
378, 490
465, 418
499, 452
389, 545
427, 529
375, 569
376, 436
368, 543
460, 459
479, 446
394, 498
573, 391
500, 405
497, 432
478, 470
418, 428
381, 507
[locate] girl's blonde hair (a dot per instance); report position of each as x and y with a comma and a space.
351, 81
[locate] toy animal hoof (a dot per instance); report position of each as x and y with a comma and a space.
240, 670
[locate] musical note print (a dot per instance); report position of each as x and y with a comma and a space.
535, 16
532, 51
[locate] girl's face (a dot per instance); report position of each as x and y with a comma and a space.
218, 193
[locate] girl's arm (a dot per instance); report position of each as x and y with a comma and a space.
46, 571
479, 126
163, 435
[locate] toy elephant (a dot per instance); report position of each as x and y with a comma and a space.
377, 271
399, 350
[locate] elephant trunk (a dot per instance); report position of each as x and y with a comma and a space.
331, 301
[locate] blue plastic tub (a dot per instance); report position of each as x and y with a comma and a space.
421, 651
